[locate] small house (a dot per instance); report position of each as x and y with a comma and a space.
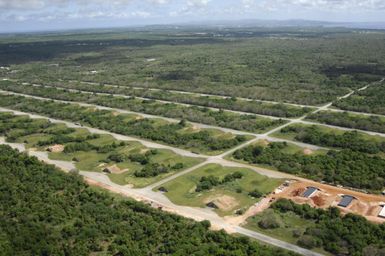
212, 205
382, 212
346, 201
310, 191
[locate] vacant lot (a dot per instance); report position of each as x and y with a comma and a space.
228, 197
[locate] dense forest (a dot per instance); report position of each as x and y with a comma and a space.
169, 133
370, 100
310, 67
345, 167
348, 140
46, 212
339, 235
344, 119
220, 118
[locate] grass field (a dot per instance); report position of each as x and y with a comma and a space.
94, 161
31, 132
232, 196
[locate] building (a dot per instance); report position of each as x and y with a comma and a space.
382, 212
346, 201
310, 191
212, 205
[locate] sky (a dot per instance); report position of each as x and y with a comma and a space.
40, 15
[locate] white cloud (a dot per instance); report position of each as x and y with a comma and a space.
319, 4
197, 3
20, 4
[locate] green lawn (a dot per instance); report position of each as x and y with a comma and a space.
182, 189
93, 161
163, 156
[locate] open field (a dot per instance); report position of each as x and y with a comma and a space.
124, 162
228, 197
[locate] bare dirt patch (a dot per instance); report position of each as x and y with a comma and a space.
307, 151
253, 210
113, 169
56, 148
297, 192
319, 201
366, 205
223, 202
144, 150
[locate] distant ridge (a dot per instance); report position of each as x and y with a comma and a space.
286, 23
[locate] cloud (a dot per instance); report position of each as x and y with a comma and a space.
40, 4
319, 4
20, 4
197, 3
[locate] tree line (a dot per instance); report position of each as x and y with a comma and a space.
345, 167
169, 133
347, 140
46, 212
250, 123
344, 119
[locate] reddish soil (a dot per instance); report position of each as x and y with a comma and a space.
367, 205
318, 201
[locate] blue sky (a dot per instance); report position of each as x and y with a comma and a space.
25, 15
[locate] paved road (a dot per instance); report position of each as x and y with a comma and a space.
164, 101
159, 200
115, 135
198, 125
198, 94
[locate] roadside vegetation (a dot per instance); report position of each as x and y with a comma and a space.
348, 120
345, 167
320, 229
46, 212
124, 162
249, 123
328, 137
228, 190
370, 100
228, 103
209, 141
